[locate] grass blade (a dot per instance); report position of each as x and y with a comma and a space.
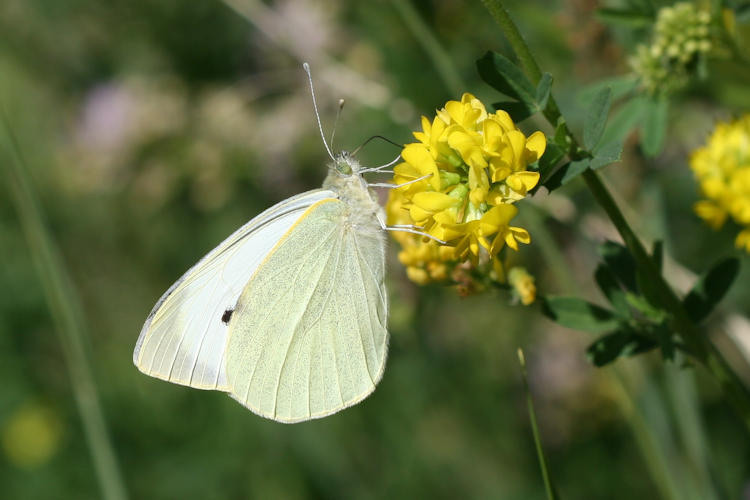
548, 486
66, 313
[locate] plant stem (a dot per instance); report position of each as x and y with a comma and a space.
734, 390
548, 486
529, 64
66, 313
695, 339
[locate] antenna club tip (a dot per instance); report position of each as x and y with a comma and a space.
306, 66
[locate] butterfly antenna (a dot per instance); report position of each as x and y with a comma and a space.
376, 137
336, 121
315, 106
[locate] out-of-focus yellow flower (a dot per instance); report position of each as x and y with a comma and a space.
522, 285
722, 168
31, 435
473, 166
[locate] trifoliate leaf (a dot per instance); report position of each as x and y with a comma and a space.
578, 314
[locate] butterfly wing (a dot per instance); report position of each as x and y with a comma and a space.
309, 334
184, 337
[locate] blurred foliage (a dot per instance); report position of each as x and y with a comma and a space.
154, 128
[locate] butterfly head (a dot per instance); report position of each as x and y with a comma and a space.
345, 165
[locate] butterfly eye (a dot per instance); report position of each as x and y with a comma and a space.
343, 167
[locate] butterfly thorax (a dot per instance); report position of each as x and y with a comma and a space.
345, 180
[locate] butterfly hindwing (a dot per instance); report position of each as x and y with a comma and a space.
308, 337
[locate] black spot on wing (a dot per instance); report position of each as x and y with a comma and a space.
227, 316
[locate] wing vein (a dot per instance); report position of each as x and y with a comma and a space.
315, 322
302, 263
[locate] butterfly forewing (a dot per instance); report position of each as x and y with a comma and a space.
309, 337
184, 338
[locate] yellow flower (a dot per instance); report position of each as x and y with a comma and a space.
522, 284
31, 436
722, 168
473, 167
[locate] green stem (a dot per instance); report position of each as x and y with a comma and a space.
548, 486
694, 338
66, 313
529, 64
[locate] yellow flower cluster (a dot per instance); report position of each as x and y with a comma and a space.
681, 33
722, 167
461, 182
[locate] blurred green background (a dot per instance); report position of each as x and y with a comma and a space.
153, 128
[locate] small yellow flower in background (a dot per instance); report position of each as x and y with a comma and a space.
473, 167
681, 34
31, 436
522, 284
722, 168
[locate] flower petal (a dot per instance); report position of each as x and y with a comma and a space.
434, 201
535, 146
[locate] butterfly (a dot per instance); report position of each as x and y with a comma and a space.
288, 315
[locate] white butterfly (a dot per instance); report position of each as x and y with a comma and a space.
288, 314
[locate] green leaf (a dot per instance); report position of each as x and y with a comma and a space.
655, 126
596, 118
574, 169
543, 90
606, 154
500, 73
566, 173
666, 341
519, 111
611, 289
624, 120
620, 85
578, 314
620, 262
639, 303
561, 137
649, 290
549, 160
711, 288
609, 347
625, 17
